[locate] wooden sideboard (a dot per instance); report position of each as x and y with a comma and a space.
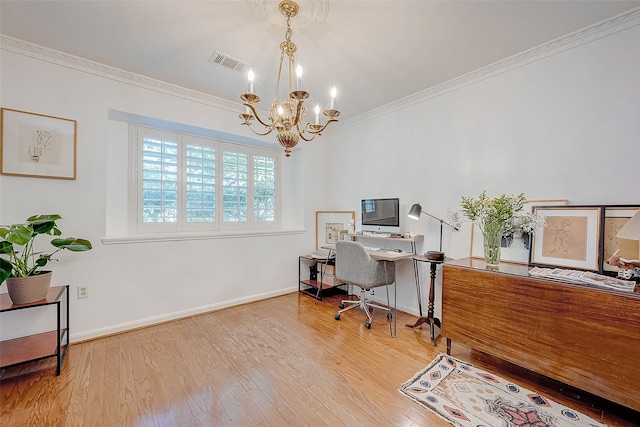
581, 335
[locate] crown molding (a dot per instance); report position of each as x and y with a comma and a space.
42, 53
586, 35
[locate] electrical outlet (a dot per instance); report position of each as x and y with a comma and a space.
83, 292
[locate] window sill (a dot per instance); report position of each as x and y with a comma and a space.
150, 238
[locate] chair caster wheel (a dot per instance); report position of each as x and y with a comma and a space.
337, 317
367, 325
389, 315
341, 305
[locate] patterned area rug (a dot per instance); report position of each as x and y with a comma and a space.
470, 397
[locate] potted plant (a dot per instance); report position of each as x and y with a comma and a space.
21, 265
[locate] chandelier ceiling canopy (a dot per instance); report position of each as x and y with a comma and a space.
287, 117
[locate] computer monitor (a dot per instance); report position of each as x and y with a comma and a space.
381, 215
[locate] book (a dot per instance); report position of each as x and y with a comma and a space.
584, 277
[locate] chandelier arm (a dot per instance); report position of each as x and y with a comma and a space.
255, 113
269, 129
279, 74
317, 132
291, 72
301, 133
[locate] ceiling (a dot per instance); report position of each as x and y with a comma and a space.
375, 52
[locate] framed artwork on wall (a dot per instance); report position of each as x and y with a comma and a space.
330, 225
615, 217
37, 145
514, 247
571, 239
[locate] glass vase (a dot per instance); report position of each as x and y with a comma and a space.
492, 237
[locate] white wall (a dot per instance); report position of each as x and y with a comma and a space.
133, 284
566, 126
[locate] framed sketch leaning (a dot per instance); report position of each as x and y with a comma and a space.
329, 224
37, 145
615, 217
571, 239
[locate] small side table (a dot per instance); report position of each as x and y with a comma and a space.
430, 319
54, 343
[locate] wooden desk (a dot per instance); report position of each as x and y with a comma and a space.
582, 335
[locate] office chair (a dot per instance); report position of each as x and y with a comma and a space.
355, 267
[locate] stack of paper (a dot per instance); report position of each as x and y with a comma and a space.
587, 277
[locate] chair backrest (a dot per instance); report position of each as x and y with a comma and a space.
354, 266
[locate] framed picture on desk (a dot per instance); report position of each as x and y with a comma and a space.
331, 224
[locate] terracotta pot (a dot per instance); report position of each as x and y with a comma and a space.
23, 290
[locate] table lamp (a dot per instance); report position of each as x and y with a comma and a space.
630, 238
414, 213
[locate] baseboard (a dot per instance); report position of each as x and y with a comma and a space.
150, 321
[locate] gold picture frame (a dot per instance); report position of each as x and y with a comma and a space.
330, 226
37, 145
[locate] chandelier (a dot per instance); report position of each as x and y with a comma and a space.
286, 117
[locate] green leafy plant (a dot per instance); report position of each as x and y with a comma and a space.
18, 255
492, 213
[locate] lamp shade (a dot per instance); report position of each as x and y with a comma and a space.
629, 238
415, 211
631, 229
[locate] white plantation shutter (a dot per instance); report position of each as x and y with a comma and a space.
187, 183
264, 189
200, 185
159, 192
235, 186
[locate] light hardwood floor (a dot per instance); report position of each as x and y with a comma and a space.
278, 362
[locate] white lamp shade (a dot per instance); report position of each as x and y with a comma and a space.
629, 238
631, 229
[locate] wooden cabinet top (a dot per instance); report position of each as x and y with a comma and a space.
522, 271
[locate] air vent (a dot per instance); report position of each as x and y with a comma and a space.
228, 62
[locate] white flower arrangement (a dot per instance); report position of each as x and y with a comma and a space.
525, 222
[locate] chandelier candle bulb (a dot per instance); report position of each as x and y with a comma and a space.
317, 114
251, 76
299, 75
333, 96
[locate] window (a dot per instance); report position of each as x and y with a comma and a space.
187, 183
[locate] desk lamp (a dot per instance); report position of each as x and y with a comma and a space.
414, 213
